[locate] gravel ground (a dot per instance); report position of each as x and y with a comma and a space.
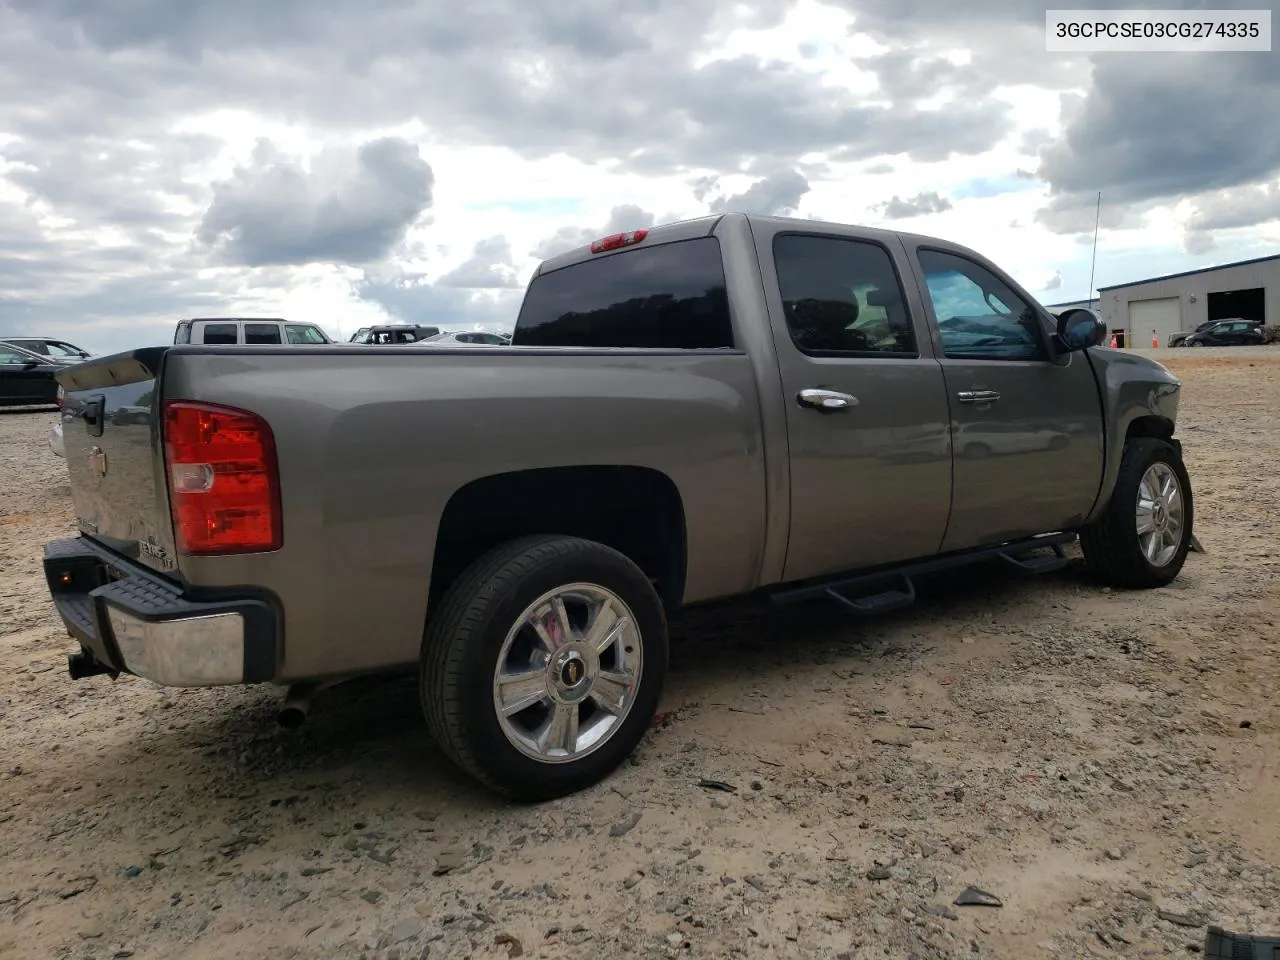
1103, 763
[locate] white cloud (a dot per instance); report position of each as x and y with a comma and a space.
537, 123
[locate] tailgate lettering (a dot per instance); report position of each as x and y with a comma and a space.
148, 547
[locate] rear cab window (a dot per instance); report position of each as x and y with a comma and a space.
667, 296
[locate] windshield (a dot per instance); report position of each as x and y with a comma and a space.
59, 349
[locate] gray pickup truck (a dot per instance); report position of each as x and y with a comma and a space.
719, 407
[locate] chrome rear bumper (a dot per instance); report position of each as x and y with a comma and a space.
128, 620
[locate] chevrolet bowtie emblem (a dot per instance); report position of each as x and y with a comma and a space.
98, 461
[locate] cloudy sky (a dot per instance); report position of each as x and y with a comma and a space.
347, 162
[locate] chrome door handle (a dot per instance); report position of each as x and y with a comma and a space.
978, 396
826, 399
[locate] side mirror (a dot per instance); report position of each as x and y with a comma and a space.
1079, 329
30, 364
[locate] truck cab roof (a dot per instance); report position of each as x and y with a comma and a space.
705, 226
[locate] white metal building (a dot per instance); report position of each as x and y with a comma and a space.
1057, 308
1163, 306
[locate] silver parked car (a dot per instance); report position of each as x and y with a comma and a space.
469, 338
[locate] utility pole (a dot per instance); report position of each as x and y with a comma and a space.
1096, 220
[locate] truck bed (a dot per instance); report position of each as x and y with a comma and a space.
374, 442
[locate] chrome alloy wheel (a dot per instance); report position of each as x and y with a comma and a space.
1161, 512
567, 673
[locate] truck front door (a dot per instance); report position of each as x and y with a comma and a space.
1027, 428
866, 406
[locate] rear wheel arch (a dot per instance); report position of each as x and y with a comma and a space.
637, 511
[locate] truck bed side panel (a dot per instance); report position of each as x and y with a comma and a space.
372, 444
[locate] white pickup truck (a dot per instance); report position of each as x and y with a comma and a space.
248, 331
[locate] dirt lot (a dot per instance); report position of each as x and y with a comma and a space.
1104, 763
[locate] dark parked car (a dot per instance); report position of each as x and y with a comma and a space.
49, 347
395, 333
26, 378
1180, 339
1229, 333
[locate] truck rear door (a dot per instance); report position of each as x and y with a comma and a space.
116, 467
866, 405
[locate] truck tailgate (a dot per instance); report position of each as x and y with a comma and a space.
114, 458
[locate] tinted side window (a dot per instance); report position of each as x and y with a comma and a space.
261, 333
219, 333
842, 296
979, 317
7, 356
670, 296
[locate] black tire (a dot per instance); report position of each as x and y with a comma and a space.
1111, 546
466, 633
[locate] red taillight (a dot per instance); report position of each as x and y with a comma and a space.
224, 489
618, 240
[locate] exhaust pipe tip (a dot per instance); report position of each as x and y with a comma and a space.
292, 716
296, 707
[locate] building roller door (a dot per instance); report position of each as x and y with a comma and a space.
1164, 316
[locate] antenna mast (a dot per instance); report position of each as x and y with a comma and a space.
1097, 219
